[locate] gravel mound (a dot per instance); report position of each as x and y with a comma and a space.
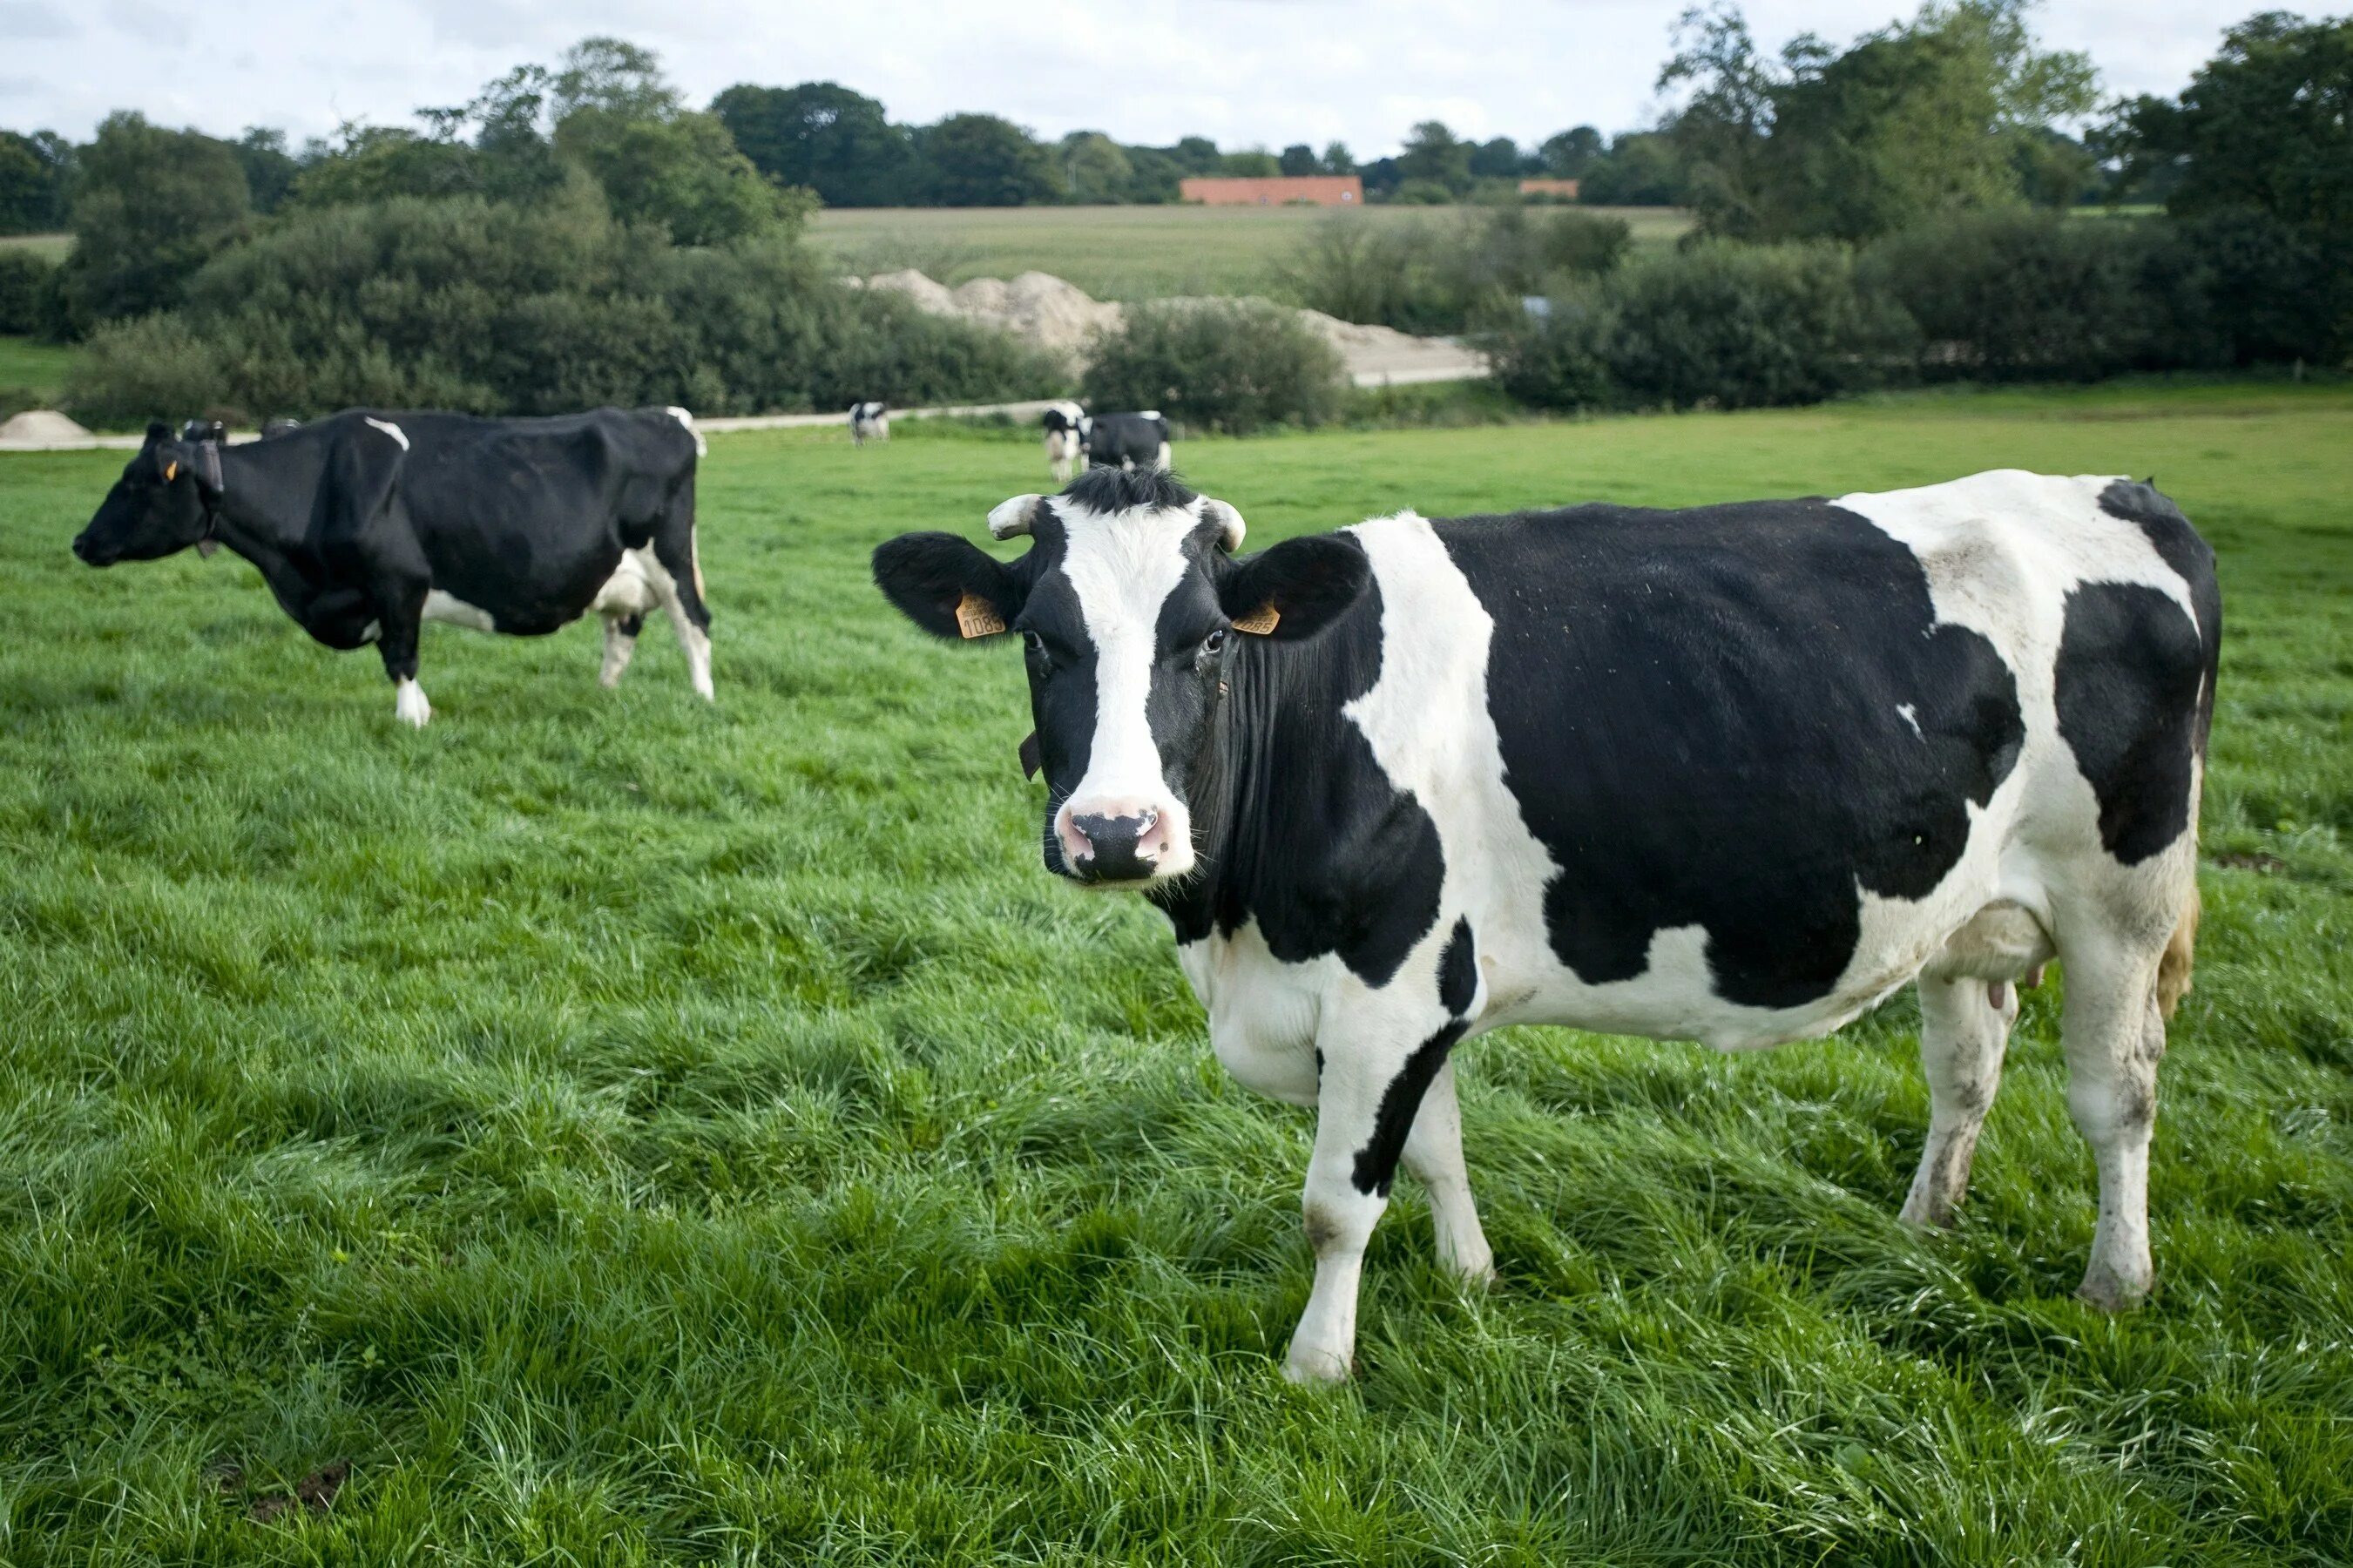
1044, 310
40, 427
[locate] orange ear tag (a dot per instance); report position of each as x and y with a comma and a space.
1259, 622
171, 472
975, 618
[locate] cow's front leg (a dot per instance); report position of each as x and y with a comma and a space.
402, 615
1374, 1076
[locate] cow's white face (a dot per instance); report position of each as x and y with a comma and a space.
1129, 608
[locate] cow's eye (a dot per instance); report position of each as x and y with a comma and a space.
1031, 643
1214, 643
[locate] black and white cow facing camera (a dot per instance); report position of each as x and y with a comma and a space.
869, 422
1733, 774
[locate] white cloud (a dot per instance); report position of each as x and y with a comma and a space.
1243, 72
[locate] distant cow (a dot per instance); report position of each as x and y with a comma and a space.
1732, 775
366, 525
1074, 437
869, 422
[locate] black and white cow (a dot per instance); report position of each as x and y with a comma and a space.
868, 421
1732, 775
366, 525
1076, 438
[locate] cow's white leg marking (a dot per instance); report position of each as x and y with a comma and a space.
1962, 1037
619, 646
408, 705
1433, 1153
692, 637
450, 610
1161, 460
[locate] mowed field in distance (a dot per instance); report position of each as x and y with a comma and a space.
1127, 252
628, 1131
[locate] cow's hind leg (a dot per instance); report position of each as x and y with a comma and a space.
2113, 1034
1433, 1153
1964, 1030
680, 586
620, 646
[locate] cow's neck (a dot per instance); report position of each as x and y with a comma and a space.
1256, 806
244, 523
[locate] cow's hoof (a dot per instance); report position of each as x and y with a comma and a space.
411, 707
1926, 1214
2111, 1293
1317, 1368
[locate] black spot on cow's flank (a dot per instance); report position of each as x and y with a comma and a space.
2126, 688
2177, 543
1377, 1161
1731, 716
1458, 971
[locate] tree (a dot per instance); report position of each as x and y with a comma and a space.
1496, 160
1338, 159
839, 143
1095, 169
1938, 114
1255, 164
1432, 152
150, 206
33, 177
981, 161
1299, 159
616, 77
682, 173
2267, 124
1197, 155
1641, 169
1568, 154
270, 169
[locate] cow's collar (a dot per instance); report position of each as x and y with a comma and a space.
211, 491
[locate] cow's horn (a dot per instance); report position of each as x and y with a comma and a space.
1011, 519
1228, 519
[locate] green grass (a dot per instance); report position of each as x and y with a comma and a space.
634, 1131
55, 246
32, 373
1120, 252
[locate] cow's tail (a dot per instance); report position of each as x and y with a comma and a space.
2173, 969
702, 447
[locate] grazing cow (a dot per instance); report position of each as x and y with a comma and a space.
366, 525
1103, 440
869, 422
1732, 775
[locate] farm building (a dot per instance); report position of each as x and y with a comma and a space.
1316, 190
1549, 188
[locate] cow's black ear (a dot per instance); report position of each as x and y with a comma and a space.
947, 586
157, 431
1295, 589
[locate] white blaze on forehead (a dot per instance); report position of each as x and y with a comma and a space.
1123, 566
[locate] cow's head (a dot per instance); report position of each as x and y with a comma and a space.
1065, 440
1130, 606
161, 504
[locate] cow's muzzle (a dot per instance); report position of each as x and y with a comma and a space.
88, 554
1122, 841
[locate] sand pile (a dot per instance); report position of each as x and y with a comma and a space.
40, 427
1042, 309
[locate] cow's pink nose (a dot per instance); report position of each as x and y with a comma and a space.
1116, 840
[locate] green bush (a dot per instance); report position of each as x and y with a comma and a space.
2023, 295
1236, 365
1449, 277
26, 279
537, 308
1717, 325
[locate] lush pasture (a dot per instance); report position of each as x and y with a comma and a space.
1121, 252
627, 1131
31, 372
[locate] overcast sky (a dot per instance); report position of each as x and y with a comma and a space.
1243, 72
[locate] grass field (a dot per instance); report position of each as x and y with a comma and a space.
55, 246
32, 374
631, 1132
1121, 252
